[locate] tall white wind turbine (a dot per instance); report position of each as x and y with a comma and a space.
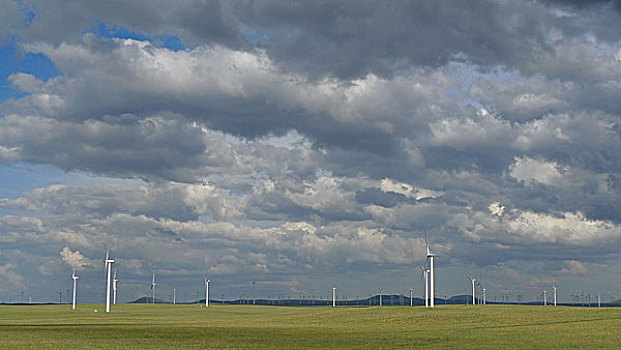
75, 286
554, 288
432, 292
153, 289
474, 286
108, 263
545, 297
207, 280
333, 296
484, 296
114, 288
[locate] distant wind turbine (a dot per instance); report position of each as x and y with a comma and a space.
425, 275
153, 289
207, 280
474, 286
554, 288
108, 266
114, 288
432, 293
75, 286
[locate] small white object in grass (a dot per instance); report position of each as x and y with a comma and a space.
95, 310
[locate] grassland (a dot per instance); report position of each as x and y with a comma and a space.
268, 327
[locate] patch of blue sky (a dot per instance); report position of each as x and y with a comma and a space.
468, 75
15, 60
16, 178
19, 177
256, 35
26, 9
111, 30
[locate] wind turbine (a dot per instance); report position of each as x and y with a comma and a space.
174, 296
484, 296
333, 296
474, 285
114, 288
411, 301
75, 285
425, 273
554, 288
207, 291
108, 263
432, 293
153, 289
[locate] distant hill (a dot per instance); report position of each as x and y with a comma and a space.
460, 299
148, 300
387, 300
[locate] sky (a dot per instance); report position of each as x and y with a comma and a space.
284, 147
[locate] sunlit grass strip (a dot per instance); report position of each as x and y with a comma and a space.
265, 327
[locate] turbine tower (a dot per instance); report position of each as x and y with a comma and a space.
474, 286
484, 296
207, 291
333, 296
153, 289
75, 285
425, 274
114, 288
108, 263
545, 297
554, 288
432, 292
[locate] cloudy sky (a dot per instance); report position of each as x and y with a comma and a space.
305, 144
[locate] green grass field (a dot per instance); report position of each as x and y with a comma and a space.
132, 326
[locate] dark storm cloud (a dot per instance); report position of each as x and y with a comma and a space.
348, 40
193, 21
585, 3
336, 38
117, 146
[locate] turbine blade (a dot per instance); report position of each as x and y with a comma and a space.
105, 267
